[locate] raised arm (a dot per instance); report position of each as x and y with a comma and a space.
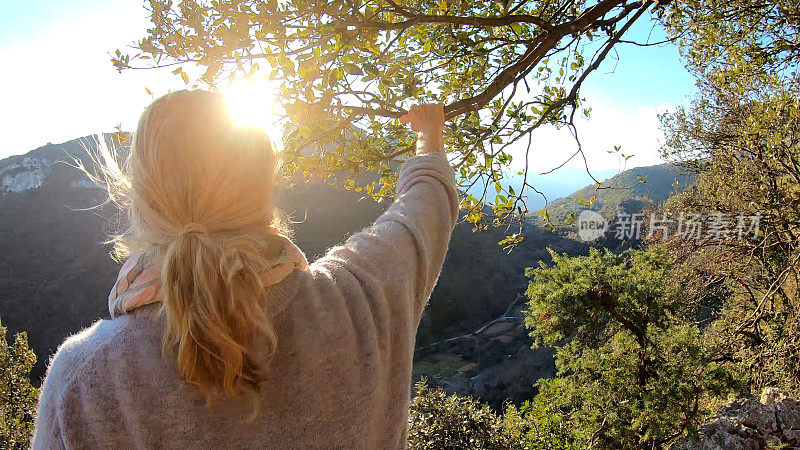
396, 262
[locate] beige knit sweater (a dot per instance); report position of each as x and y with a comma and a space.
342, 372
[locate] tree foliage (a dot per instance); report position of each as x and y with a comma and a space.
741, 136
18, 399
735, 44
632, 368
750, 168
348, 68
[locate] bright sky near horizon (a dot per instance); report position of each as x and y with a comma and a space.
58, 84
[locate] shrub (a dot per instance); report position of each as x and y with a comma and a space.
441, 421
18, 398
437, 420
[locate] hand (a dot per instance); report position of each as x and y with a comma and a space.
428, 118
428, 121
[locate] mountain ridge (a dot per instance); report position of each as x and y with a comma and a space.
55, 272
631, 190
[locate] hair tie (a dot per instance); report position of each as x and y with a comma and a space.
194, 227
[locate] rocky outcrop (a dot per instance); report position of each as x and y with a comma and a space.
25, 173
769, 421
49, 165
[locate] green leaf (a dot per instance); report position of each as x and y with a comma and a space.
352, 69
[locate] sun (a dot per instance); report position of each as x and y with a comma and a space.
252, 103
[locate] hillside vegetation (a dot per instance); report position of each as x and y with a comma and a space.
632, 190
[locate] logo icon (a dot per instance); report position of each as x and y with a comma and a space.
591, 225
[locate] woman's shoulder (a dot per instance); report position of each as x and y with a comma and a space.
89, 363
68, 361
94, 343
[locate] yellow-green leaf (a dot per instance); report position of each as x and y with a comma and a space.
352, 69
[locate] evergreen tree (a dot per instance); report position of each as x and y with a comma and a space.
632, 368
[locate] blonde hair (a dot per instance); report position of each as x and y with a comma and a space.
200, 188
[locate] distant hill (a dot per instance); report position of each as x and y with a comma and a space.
632, 190
559, 183
55, 274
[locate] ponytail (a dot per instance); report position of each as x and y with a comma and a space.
215, 305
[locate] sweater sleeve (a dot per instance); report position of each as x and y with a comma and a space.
396, 262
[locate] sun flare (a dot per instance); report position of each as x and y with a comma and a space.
252, 103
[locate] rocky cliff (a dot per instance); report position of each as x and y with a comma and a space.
771, 420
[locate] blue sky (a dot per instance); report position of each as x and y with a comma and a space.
23, 20
62, 85
641, 75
